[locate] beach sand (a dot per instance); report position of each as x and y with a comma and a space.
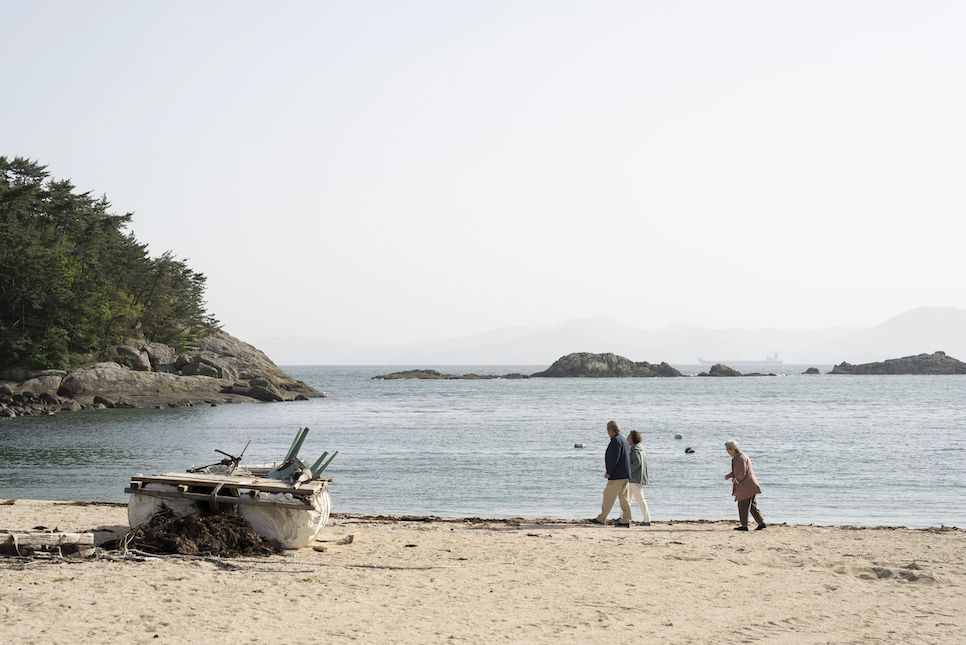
405, 580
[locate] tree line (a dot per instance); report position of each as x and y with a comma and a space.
74, 283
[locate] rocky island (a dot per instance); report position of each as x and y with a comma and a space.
433, 374
216, 368
935, 363
720, 369
587, 365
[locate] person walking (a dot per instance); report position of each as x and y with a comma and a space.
744, 486
638, 479
617, 460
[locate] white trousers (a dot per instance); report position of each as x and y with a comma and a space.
637, 494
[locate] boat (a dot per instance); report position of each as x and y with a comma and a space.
287, 504
770, 359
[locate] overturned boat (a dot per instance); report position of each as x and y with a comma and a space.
286, 504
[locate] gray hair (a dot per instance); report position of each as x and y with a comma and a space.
614, 427
731, 444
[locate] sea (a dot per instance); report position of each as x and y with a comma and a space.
826, 449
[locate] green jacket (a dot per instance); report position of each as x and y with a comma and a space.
638, 465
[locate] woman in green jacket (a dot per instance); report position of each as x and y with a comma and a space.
638, 478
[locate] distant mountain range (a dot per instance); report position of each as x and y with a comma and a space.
922, 330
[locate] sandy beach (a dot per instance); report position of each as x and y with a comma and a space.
411, 580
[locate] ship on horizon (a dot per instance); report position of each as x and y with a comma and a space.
770, 359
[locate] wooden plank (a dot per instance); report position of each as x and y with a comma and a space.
326, 464
39, 539
230, 481
300, 436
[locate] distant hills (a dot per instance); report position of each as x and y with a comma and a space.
922, 330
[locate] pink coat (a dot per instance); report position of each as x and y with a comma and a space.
744, 484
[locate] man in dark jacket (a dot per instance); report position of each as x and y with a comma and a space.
618, 462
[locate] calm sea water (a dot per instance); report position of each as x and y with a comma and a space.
859, 450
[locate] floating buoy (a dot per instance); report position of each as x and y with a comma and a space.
580, 445
689, 450
679, 436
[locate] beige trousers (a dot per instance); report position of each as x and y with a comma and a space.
616, 490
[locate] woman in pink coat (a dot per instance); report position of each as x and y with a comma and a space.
744, 486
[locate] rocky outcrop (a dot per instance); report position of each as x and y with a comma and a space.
720, 369
587, 365
216, 369
433, 374
936, 363
811, 370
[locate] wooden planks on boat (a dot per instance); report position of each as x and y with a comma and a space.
232, 481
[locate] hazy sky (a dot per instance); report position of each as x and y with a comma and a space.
386, 172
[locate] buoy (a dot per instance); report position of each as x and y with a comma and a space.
580, 445
679, 436
689, 450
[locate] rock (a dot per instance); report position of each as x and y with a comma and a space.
679, 436
811, 370
265, 393
208, 366
720, 369
689, 450
433, 374
247, 362
135, 357
161, 356
936, 363
23, 374
587, 365
217, 364
49, 399
70, 406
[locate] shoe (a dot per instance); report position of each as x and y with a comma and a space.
594, 520
761, 526
644, 524
628, 525
741, 528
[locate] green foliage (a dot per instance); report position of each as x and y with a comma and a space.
73, 282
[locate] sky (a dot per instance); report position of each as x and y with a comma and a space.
385, 172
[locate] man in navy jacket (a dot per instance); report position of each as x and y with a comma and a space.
618, 462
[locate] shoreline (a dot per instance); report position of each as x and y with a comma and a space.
419, 579
401, 517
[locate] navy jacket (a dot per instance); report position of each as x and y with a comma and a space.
618, 458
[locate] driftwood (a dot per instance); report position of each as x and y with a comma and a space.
27, 543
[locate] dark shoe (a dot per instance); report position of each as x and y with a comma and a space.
761, 526
628, 525
644, 524
741, 528
594, 520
